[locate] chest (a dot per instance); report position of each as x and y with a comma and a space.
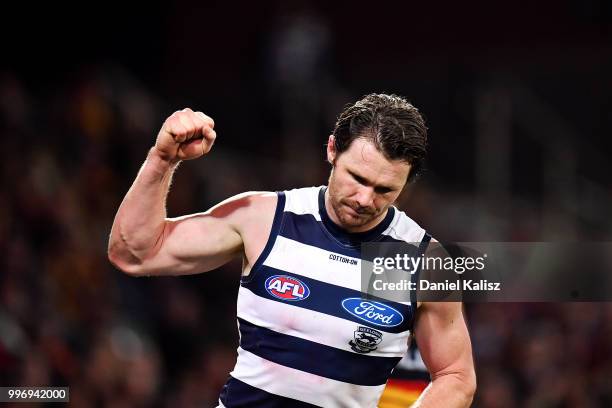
314, 293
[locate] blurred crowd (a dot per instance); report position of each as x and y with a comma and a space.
71, 150
67, 317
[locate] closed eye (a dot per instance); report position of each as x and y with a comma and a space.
377, 189
359, 179
383, 190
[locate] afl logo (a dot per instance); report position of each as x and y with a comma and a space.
376, 313
287, 288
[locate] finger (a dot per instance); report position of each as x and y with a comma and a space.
209, 141
209, 134
207, 119
178, 131
189, 125
191, 149
200, 123
207, 145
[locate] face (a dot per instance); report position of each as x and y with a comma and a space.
362, 185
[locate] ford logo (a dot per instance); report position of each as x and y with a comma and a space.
373, 312
287, 288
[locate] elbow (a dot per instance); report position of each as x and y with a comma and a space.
461, 385
125, 261
469, 388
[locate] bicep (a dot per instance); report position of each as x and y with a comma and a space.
443, 339
201, 242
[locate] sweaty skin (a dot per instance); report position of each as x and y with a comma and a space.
362, 186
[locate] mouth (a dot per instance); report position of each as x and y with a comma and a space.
355, 213
352, 212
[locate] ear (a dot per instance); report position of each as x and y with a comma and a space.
331, 149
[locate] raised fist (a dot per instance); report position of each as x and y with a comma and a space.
185, 135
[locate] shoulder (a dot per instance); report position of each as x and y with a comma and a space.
244, 205
260, 204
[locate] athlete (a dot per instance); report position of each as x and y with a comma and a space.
308, 336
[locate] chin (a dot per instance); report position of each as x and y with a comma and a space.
349, 221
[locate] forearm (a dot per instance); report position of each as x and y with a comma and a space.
450, 390
138, 227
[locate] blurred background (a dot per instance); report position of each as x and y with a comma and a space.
517, 97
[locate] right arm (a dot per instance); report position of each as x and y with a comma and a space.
144, 242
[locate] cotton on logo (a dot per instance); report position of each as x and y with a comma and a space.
287, 288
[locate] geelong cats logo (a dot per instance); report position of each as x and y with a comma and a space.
365, 340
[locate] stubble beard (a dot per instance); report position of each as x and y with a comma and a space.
339, 206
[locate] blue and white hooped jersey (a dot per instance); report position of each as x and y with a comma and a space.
307, 337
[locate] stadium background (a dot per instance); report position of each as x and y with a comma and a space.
517, 98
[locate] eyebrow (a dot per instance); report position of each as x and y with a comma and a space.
368, 182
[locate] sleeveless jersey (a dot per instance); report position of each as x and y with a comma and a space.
308, 335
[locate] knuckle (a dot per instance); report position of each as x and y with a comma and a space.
175, 126
186, 121
207, 119
179, 129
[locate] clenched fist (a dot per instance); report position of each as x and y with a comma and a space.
185, 135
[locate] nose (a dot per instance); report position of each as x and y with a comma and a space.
365, 197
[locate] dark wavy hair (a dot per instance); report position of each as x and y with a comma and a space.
396, 128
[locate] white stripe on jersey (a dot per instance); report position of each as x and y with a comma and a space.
314, 263
303, 386
311, 325
404, 228
303, 201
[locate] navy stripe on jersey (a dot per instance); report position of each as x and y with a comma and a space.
315, 358
422, 248
276, 224
305, 228
327, 298
238, 394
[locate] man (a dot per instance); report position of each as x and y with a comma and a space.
307, 337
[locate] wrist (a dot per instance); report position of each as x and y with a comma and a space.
160, 161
